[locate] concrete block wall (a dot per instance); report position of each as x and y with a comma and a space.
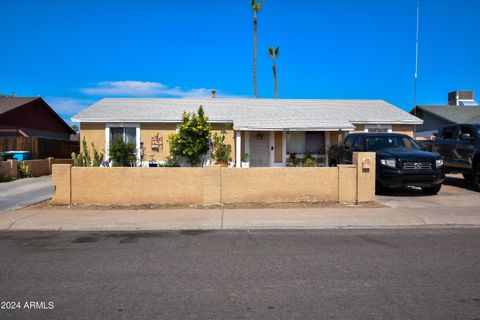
38, 167
214, 185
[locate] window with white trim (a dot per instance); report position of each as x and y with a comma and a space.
127, 134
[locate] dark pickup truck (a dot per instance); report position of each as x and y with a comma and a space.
459, 145
400, 161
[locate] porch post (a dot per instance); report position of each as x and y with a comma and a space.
238, 148
247, 142
327, 146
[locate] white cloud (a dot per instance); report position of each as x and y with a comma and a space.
143, 89
68, 106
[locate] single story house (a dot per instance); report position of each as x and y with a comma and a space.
461, 108
31, 117
265, 129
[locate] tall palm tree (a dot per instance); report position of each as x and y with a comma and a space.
273, 54
256, 7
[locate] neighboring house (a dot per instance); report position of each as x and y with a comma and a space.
461, 108
266, 129
31, 117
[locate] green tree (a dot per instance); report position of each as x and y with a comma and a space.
220, 150
256, 7
122, 153
74, 128
191, 141
273, 54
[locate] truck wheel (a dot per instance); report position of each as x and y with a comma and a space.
468, 177
432, 190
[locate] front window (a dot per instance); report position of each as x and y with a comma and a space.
128, 135
376, 143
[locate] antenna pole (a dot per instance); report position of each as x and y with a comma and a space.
416, 57
416, 64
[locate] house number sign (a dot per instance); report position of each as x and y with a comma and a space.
157, 143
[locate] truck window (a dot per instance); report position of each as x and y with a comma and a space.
466, 130
359, 144
349, 141
448, 132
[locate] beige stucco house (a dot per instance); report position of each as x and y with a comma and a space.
268, 130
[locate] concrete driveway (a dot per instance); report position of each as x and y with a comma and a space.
455, 193
24, 192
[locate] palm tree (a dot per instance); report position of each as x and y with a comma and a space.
256, 7
273, 54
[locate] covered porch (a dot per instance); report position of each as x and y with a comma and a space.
281, 148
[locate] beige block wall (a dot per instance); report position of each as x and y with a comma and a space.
93, 132
365, 166
279, 184
214, 185
8, 167
61, 178
347, 183
136, 186
38, 167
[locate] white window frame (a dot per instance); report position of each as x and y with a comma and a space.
378, 126
122, 125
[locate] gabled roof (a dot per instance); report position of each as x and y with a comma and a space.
455, 114
252, 114
10, 103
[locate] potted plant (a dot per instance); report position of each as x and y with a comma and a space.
220, 150
245, 162
152, 163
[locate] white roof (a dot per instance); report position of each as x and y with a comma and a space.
252, 114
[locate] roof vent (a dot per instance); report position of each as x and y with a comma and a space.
464, 98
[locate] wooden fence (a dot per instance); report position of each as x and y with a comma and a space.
40, 148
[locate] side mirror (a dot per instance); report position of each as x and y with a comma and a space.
347, 148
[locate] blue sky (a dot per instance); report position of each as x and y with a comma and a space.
73, 53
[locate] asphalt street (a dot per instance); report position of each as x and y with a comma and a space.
316, 274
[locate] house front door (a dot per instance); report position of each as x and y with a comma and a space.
259, 149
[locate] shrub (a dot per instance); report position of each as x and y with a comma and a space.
171, 162
245, 157
24, 170
9, 177
122, 153
309, 162
193, 137
83, 158
220, 150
